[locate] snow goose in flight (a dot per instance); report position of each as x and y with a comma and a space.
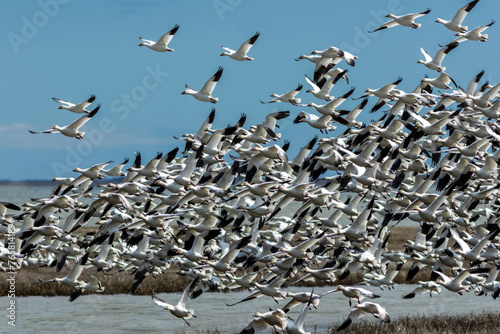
179, 310
468, 253
94, 285
79, 108
382, 93
455, 284
162, 44
361, 309
353, 292
72, 278
474, 34
333, 53
441, 82
116, 171
241, 53
484, 101
323, 93
273, 318
455, 24
322, 123
329, 108
287, 97
72, 130
404, 20
435, 63
205, 94
297, 327
424, 287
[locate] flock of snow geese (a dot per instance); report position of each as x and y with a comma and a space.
235, 212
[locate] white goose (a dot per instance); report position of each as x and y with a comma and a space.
205, 93
354, 292
441, 82
407, 20
287, 97
72, 278
473, 35
79, 108
94, 285
455, 284
179, 310
162, 44
241, 53
322, 123
361, 309
455, 24
323, 93
435, 63
72, 130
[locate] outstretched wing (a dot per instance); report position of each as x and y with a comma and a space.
160, 302
209, 86
46, 131
68, 104
390, 24
245, 47
84, 119
166, 38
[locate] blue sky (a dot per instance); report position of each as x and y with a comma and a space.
72, 49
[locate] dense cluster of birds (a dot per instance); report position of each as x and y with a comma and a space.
234, 211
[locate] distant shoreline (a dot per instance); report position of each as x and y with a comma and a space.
47, 183
35, 183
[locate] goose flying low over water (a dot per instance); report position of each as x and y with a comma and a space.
72, 130
162, 44
407, 20
179, 310
241, 53
205, 93
361, 309
79, 108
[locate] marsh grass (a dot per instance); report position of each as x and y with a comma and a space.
28, 281
28, 278
482, 323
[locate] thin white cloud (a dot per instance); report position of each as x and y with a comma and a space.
15, 126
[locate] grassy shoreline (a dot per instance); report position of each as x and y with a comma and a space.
481, 323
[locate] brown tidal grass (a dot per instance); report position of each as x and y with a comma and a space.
28, 282
27, 279
483, 323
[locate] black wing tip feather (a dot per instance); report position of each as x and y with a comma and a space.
218, 74
378, 29
471, 5
254, 38
344, 325
174, 29
93, 112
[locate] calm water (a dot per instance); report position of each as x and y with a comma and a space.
138, 314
